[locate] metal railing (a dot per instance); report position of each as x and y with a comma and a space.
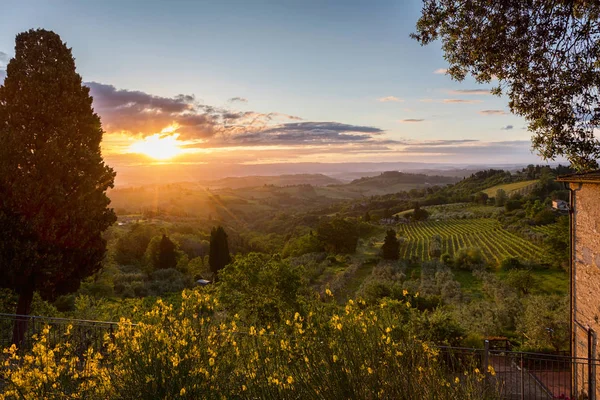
82, 333
517, 375
521, 375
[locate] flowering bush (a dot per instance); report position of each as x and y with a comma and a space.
195, 351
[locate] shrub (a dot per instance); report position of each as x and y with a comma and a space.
510, 263
187, 352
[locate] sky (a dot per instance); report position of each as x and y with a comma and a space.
262, 82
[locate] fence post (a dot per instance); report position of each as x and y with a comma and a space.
486, 357
591, 369
522, 379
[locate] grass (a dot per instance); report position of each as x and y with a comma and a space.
509, 188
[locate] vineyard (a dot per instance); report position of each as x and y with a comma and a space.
485, 234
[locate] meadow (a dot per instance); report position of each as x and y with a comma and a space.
521, 188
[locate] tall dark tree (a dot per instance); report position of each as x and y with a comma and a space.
544, 56
53, 180
391, 246
167, 253
218, 255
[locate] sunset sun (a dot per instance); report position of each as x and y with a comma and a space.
158, 146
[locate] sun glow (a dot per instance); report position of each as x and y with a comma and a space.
158, 146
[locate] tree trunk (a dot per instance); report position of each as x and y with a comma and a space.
23, 308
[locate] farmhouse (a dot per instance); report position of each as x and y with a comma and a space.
585, 272
560, 205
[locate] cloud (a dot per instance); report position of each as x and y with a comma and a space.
309, 133
238, 99
440, 71
144, 114
461, 101
470, 91
2, 75
205, 126
450, 101
440, 142
409, 120
507, 127
390, 99
492, 112
474, 150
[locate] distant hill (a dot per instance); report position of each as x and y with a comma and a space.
394, 181
279, 180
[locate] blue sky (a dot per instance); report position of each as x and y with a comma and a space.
319, 61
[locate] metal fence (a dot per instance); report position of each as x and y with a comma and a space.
83, 334
517, 375
520, 375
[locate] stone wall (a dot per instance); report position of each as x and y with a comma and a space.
586, 290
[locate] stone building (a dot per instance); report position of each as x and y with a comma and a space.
584, 211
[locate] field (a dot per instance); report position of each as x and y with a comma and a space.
510, 188
486, 234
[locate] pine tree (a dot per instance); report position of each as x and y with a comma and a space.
53, 180
218, 256
391, 246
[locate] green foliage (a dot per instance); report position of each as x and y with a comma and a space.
500, 198
522, 280
53, 180
532, 209
558, 243
131, 247
367, 217
545, 322
435, 246
391, 246
517, 43
510, 263
439, 326
260, 287
338, 235
218, 256
512, 204
304, 244
468, 258
480, 198
544, 217
419, 214
447, 259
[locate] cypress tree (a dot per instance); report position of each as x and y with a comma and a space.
53, 180
218, 256
391, 246
167, 256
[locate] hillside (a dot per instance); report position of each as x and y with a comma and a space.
510, 188
274, 180
395, 181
